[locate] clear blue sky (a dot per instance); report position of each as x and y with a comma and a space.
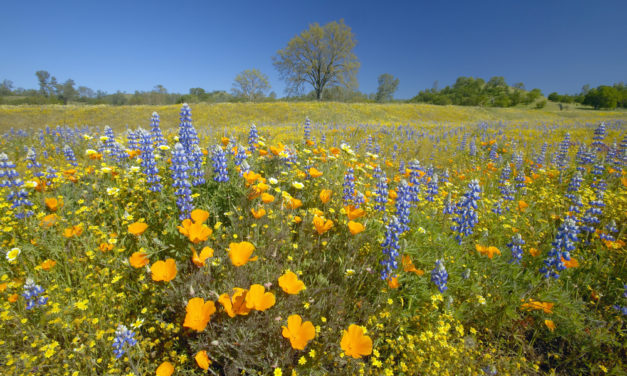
135, 45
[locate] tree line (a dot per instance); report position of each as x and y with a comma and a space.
318, 64
600, 97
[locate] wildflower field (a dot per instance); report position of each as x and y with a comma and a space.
490, 247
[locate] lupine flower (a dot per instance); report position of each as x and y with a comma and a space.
197, 173
124, 338
187, 133
180, 181
253, 138
155, 131
432, 188
439, 276
515, 247
219, 165
599, 135
31, 157
349, 186
33, 294
18, 196
415, 173
381, 193
563, 244
403, 204
148, 162
390, 248
465, 209
69, 155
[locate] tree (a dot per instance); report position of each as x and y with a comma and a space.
44, 84
250, 84
321, 56
6, 87
67, 92
602, 97
387, 86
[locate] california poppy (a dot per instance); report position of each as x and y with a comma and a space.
202, 360
355, 343
522, 206
487, 251
298, 332
198, 313
550, 324
240, 253
546, 307
165, 369
408, 266
293, 203
355, 227
205, 253
52, 204
393, 282
137, 228
354, 213
48, 264
139, 259
267, 198
196, 232
325, 195
163, 270
290, 283
321, 225
258, 213
314, 172
235, 304
258, 299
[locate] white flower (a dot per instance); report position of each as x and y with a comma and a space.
106, 170
298, 185
113, 191
272, 181
164, 147
89, 152
134, 169
12, 254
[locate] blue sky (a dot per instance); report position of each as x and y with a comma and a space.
135, 45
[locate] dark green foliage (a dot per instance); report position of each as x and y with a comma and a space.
470, 91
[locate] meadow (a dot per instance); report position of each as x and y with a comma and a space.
312, 239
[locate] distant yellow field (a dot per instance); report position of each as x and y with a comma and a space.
232, 114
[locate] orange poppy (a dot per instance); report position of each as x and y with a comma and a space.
546, 307
13, 298
355, 227
202, 360
325, 195
198, 313
53, 204
250, 177
314, 172
137, 228
572, 263
240, 253
73, 231
550, 324
138, 259
258, 213
393, 283
355, 343
258, 299
522, 206
163, 270
298, 332
267, 198
199, 260
354, 213
165, 369
321, 225
48, 264
290, 283
235, 304
297, 219
195, 229
408, 266
533, 252
293, 203
487, 251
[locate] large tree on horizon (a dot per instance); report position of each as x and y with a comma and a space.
321, 56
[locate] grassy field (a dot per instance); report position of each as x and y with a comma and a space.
236, 114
